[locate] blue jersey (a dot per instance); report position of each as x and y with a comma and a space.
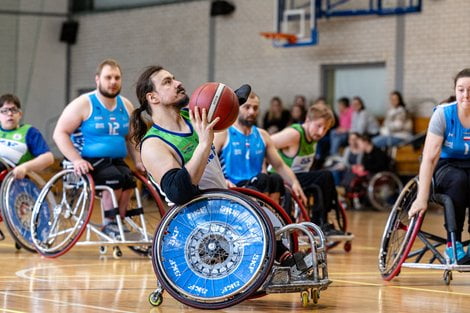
456, 136
243, 155
103, 133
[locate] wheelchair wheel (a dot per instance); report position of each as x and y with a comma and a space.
214, 251
61, 212
277, 215
400, 233
145, 213
383, 190
18, 197
339, 221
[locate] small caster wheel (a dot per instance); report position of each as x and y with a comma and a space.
304, 298
103, 250
347, 246
156, 298
447, 277
17, 246
117, 253
315, 295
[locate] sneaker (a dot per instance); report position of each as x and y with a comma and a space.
111, 229
460, 252
330, 230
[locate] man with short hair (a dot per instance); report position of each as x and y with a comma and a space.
243, 149
92, 133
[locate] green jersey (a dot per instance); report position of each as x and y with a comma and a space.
303, 160
184, 145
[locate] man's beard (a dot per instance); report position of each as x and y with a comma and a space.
183, 102
245, 122
107, 94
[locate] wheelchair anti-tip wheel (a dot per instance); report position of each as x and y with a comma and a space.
399, 233
383, 190
18, 197
214, 251
61, 212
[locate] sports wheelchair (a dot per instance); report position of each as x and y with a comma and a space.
336, 218
64, 208
17, 200
219, 249
379, 191
400, 234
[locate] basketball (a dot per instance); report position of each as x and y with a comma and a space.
219, 100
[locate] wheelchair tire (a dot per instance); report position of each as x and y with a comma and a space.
399, 233
61, 212
214, 251
18, 197
383, 190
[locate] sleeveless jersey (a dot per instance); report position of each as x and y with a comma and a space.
456, 137
184, 145
103, 133
243, 155
303, 160
14, 146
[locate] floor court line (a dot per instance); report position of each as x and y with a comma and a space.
63, 302
404, 287
11, 311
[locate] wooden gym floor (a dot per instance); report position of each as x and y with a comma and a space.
82, 281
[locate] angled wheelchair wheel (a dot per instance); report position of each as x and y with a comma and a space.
277, 215
214, 251
18, 197
145, 212
383, 190
61, 212
399, 233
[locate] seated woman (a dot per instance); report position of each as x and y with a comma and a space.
397, 125
446, 155
373, 160
362, 121
276, 118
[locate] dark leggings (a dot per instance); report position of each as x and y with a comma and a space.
321, 184
454, 182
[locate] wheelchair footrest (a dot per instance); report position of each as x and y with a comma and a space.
282, 281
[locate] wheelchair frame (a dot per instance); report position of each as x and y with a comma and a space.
340, 221
52, 241
212, 220
400, 234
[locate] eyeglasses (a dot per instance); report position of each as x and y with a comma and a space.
11, 110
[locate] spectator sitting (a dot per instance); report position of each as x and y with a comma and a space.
362, 122
339, 135
276, 118
397, 125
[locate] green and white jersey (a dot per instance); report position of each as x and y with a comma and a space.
184, 145
14, 146
303, 160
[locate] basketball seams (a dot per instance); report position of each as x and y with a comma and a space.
215, 101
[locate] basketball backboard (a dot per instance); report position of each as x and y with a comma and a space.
299, 17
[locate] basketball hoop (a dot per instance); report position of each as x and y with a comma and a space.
290, 38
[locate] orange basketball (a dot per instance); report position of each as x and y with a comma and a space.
219, 100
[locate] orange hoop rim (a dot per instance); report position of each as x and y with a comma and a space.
290, 38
